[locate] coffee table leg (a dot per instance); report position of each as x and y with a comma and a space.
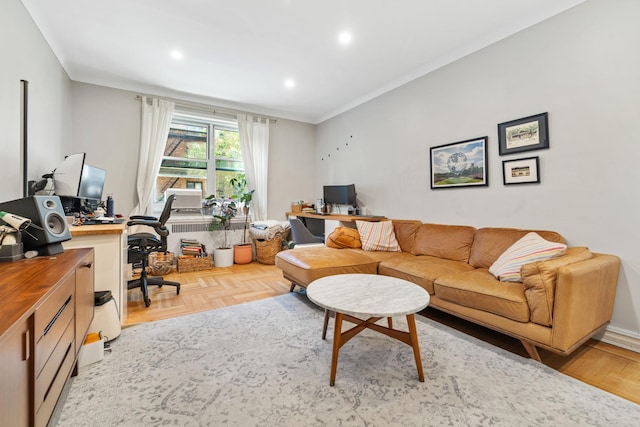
413, 333
337, 335
326, 324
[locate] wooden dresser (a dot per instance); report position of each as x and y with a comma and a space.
46, 307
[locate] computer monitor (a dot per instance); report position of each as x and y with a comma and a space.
91, 183
340, 194
67, 176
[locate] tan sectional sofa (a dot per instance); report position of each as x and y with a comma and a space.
559, 304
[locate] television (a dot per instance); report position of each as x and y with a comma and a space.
67, 176
340, 195
91, 183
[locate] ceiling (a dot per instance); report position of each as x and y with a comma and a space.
238, 53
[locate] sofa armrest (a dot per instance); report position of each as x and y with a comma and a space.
584, 298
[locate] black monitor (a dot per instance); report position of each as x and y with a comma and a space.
91, 183
340, 194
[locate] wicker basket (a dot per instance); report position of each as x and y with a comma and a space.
266, 250
161, 263
188, 264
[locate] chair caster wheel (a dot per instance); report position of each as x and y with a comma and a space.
147, 302
178, 290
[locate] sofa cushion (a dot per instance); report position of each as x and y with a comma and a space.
489, 243
406, 233
478, 289
377, 236
421, 270
539, 279
444, 241
530, 248
303, 266
344, 237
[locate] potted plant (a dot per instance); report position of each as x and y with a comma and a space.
207, 204
223, 255
243, 253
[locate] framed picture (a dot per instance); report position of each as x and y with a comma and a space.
526, 134
521, 171
460, 164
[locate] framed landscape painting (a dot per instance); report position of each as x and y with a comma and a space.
460, 164
526, 134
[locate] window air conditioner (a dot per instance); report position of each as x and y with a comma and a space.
186, 198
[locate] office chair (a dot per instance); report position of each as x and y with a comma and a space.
140, 245
301, 234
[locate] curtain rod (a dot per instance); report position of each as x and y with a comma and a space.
208, 108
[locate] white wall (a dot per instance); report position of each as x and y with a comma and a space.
106, 125
581, 67
26, 56
291, 165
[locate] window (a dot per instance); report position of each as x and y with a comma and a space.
200, 153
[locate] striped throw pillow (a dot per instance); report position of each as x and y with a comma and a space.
378, 236
530, 248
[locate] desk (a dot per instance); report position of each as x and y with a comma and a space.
331, 221
109, 242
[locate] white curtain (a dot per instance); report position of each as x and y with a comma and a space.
156, 120
254, 142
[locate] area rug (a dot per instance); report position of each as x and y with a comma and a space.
264, 363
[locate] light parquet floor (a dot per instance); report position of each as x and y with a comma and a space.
602, 365
206, 290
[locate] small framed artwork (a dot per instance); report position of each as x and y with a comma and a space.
460, 164
526, 134
521, 171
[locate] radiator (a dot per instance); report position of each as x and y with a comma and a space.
189, 227
197, 227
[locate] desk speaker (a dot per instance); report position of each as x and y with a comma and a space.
46, 213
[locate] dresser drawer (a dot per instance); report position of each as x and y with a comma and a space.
54, 390
48, 374
51, 320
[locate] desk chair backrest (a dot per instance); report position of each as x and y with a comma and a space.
144, 243
301, 234
166, 212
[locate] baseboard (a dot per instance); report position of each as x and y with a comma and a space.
620, 338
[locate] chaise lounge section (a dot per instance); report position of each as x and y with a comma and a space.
555, 304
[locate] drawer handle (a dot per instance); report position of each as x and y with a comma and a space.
50, 325
27, 345
87, 265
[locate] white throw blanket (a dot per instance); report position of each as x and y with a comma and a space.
266, 230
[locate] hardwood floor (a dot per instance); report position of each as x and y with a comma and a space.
602, 365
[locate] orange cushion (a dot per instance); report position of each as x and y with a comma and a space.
344, 237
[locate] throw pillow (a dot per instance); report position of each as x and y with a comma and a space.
378, 236
530, 248
344, 237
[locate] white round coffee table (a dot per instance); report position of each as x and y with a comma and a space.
354, 297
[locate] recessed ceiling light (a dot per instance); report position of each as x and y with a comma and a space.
176, 54
289, 83
344, 37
